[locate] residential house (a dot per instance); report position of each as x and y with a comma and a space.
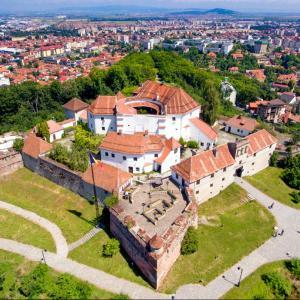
76, 109
240, 125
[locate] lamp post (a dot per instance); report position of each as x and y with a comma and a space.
241, 274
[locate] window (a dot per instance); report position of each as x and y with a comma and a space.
111, 128
212, 175
254, 154
103, 128
253, 164
112, 155
155, 155
270, 146
224, 170
175, 150
176, 175
102, 118
106, 153
137, 169
211, 185
238, 130
105, 192
124, 158
173, 118
223, 178
240, 162
202, 144
198, 181
197, 192
135, 158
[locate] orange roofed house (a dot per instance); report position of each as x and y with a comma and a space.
140, 152
211, 171
240, 125
76, 109
156, 108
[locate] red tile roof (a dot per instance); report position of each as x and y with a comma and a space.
137, 143
34, 146
107, 177
75, 105
242, 122
103, 105
260, 140
54, 127
175, 99
205, 128
204, 163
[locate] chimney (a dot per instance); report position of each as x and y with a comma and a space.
119, 132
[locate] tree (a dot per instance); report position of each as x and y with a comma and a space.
116, 78
274, 159
190, 243
211, 106
18, 145
293, 266
43, 131
111, 201
111, 248
192, 144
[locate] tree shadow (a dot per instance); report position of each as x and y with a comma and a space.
94, 222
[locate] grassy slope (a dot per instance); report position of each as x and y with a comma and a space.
117, 265
20, 266
235, 229
253, 286
269, 182
19, 229
35, 193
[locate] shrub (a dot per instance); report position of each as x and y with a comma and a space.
295, 197
18, 145
37, 282
120, 297
111, 248
86, 139
193, 144
43, 131
294, 267
274, 159
67, 287
111, 201
182, 142
281, 286
190, 243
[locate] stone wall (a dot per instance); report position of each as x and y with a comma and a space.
10, 161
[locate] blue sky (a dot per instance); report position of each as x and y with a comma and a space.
239, 5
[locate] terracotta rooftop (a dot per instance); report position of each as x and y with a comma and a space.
138, 143
204, 163
242, 122
107, 177
34, 146
175, 99
54, 127
260, 140
204, 128
103, 105
75, 105
156, 242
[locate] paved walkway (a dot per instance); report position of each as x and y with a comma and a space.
281, 247
85, 238
60, 241
94, 276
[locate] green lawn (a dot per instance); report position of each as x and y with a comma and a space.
235, 228
269, 182
253, 287
19, 229
90, 254
15, 266
30, 191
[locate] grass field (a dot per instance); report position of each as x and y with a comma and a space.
19, 229
253, 287
234, 228
30, 191
269, 182
15, 266
117, 265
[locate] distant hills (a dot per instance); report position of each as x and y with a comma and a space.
215, 11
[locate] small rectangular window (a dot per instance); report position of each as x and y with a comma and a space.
137, 169
135, 158
174, 118
253, 164
211, 185
224, 170
102, 118
223, 178
155, 155
176, 175
103, 128
198, 181
212, 175
197, 192
124, 158
112, 155
106, 153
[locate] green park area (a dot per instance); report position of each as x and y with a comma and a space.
277, 280
269, 182
22, 279
72, 214
230, 228
19, 229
